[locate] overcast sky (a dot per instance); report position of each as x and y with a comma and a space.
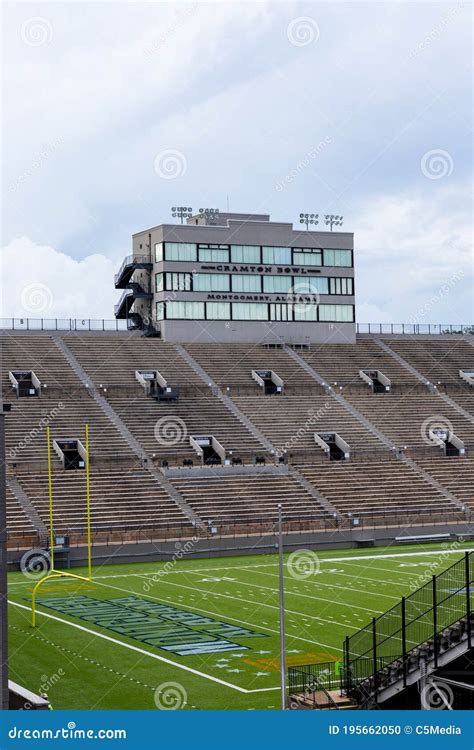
113, 112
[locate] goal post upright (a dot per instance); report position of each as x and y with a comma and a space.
53, 573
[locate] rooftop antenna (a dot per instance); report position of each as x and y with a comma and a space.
181, 212
333, 220
309, 219
209, 214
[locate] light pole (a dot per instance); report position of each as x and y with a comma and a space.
4, 697
333, 220
282, 612
181, 212
309, 219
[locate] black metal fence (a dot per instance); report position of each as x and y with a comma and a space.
417, 619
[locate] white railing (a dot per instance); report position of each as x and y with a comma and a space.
411, 329
61, 324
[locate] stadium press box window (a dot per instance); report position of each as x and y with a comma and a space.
248, 311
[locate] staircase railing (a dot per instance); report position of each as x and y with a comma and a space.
417, 621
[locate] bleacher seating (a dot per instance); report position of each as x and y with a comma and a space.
252, 498
231, 365
129, 502
382, 488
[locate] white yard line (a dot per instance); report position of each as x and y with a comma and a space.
324, 560
133, 648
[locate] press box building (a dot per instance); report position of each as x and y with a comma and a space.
239, 277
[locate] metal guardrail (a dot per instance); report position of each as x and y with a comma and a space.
61, 324
414, 329
128, 260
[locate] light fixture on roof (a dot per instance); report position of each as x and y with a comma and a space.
209, 214
333, 220
181, 212
309, 219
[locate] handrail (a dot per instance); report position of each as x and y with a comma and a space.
415, 329
128, 260
62, 324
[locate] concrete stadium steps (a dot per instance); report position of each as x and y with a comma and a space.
401, 416
112, 361
340, 363
40, 354
249, 498
465, 400
437, 360
231, 365
26, 434
120, 500
198, 415
456, 473
382, 488
292, 422
18, 523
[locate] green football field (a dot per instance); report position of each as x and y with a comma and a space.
201, 634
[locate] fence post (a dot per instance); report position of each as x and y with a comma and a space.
404, 641
346, 677
435, 624
374, 647
468, 600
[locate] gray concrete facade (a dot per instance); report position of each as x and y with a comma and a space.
332, 324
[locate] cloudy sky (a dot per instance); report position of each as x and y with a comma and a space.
113, 112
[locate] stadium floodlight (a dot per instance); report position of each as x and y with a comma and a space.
209, 214
181, 212
333, 220
309, 219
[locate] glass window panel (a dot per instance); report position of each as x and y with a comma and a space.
249, 311
214, 255
211, 282
312, 285
276, 255
307, 258
218, 310
181, 251
245, 254
280, 311
178, 310
159, 285
160, 310
159, 252
278, 284
304, 311
336, 313
246, 283
338, 258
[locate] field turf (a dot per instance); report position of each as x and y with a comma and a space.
208, 626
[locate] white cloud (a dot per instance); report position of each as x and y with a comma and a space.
40, 282
414, 257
